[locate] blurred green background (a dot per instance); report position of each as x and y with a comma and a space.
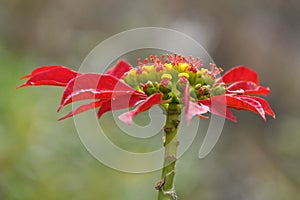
41, 158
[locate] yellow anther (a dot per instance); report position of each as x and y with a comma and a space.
186, 75
203, 71
183, 66
168, 65
168, 76
132, 72
148, 68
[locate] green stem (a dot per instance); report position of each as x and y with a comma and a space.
166, 184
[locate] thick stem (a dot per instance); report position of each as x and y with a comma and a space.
166, 184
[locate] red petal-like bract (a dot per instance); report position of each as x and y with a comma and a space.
50, 75
120, 103
115, 103
40, 69
217, 105
120, 69
192, 109
264, 104
248, 87
147, 104
254, 104
91, 86
258, 105
83, 108
240, 73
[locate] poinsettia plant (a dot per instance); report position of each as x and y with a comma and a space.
172, 82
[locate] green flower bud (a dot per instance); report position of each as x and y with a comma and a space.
165, 89
219, 90
208, 80
149, 88
200, 81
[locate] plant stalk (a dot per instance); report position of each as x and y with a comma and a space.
166, 184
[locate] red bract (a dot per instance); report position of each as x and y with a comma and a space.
241, 84
89, 86
50, 75
147, 103
192, 109
240, 73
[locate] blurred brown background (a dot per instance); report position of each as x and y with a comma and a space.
41, 158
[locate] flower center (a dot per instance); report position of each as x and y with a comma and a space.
168, 74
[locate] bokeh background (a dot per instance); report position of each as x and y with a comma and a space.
41, 158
